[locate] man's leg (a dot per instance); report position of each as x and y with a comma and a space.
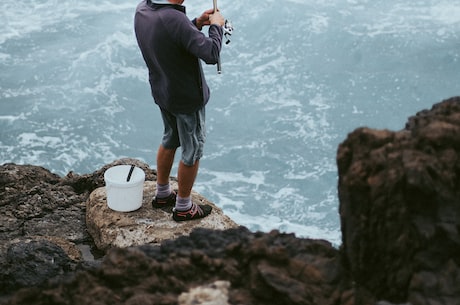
163, 195
192, 134
185, 209
186, 176
165, 160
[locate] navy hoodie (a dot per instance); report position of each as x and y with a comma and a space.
173, 48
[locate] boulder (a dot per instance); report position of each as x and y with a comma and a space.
399, 198
146, 225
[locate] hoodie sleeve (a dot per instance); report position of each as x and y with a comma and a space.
195, 42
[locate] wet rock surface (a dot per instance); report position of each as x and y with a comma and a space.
399, 209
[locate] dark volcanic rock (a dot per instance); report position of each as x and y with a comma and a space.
33, 203
400, 207
262, 269
34, 262
38, 205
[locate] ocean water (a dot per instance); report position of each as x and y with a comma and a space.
298, 76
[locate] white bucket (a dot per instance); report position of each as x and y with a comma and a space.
123, 195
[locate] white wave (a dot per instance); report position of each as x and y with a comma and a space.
267, 223
405, 18
23, 18
447, 12
309, 170
318, 24
12, 118
256, 178
32, 140
4, 57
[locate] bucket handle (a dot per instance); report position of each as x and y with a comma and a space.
130, 173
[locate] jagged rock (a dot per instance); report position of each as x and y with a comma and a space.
263, 268
41, 209
400, 207
34, 202
110, 228
37, 211
32, 262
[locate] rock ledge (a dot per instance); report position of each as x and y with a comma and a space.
146, 225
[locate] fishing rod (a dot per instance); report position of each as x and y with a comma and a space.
219, 66
228, 30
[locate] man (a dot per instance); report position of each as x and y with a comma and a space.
173, 47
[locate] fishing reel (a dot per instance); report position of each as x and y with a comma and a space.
228, 30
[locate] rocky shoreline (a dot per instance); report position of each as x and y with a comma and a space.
399, 198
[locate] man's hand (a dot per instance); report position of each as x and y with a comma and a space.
217, 18
204, 19
208, 17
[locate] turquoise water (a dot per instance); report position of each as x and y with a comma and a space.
297, 77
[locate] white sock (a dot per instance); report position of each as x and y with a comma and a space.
163, 190
183, 204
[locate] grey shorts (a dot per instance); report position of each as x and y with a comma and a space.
187, 131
